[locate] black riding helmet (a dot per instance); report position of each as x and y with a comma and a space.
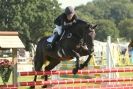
69, 10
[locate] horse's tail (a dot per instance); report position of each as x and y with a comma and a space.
39, 56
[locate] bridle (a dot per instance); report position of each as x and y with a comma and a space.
88, 37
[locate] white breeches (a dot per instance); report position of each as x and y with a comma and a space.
58, 29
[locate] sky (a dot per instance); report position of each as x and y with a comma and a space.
72, 3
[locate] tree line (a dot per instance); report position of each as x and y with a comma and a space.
34, 19
114, 18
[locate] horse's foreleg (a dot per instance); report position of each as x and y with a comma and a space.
45, 78
85, 64
33, 87
77, 65
38, 66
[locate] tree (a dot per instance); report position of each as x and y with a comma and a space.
40, 17
111, 11
118, 12
130, 10
31, 18
126, 28
86, 16
106, 28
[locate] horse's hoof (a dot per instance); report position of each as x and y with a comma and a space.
32, 87
45, 86
75, 70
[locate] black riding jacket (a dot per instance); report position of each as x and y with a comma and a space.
62, 20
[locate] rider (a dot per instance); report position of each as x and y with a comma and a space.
65, 19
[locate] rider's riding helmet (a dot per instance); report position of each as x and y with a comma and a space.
69, 10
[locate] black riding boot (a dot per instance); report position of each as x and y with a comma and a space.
56, 36
52, 44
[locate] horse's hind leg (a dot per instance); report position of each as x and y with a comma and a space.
53, 63
38, 65
85, 63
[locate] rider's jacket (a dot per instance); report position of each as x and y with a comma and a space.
62, 20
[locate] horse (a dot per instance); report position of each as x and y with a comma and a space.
75, 42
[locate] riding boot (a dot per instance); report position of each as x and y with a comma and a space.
52, 44
56, 36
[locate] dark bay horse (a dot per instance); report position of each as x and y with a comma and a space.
72, 44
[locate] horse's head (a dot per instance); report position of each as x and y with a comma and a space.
84, 31
89, 35
89, 31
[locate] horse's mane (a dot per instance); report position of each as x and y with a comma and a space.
79, 21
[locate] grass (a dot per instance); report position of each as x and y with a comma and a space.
126, 75
22, 79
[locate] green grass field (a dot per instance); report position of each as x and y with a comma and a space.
22, 79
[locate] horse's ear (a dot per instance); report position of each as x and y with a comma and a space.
93, 27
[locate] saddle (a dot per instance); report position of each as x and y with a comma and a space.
57, 41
